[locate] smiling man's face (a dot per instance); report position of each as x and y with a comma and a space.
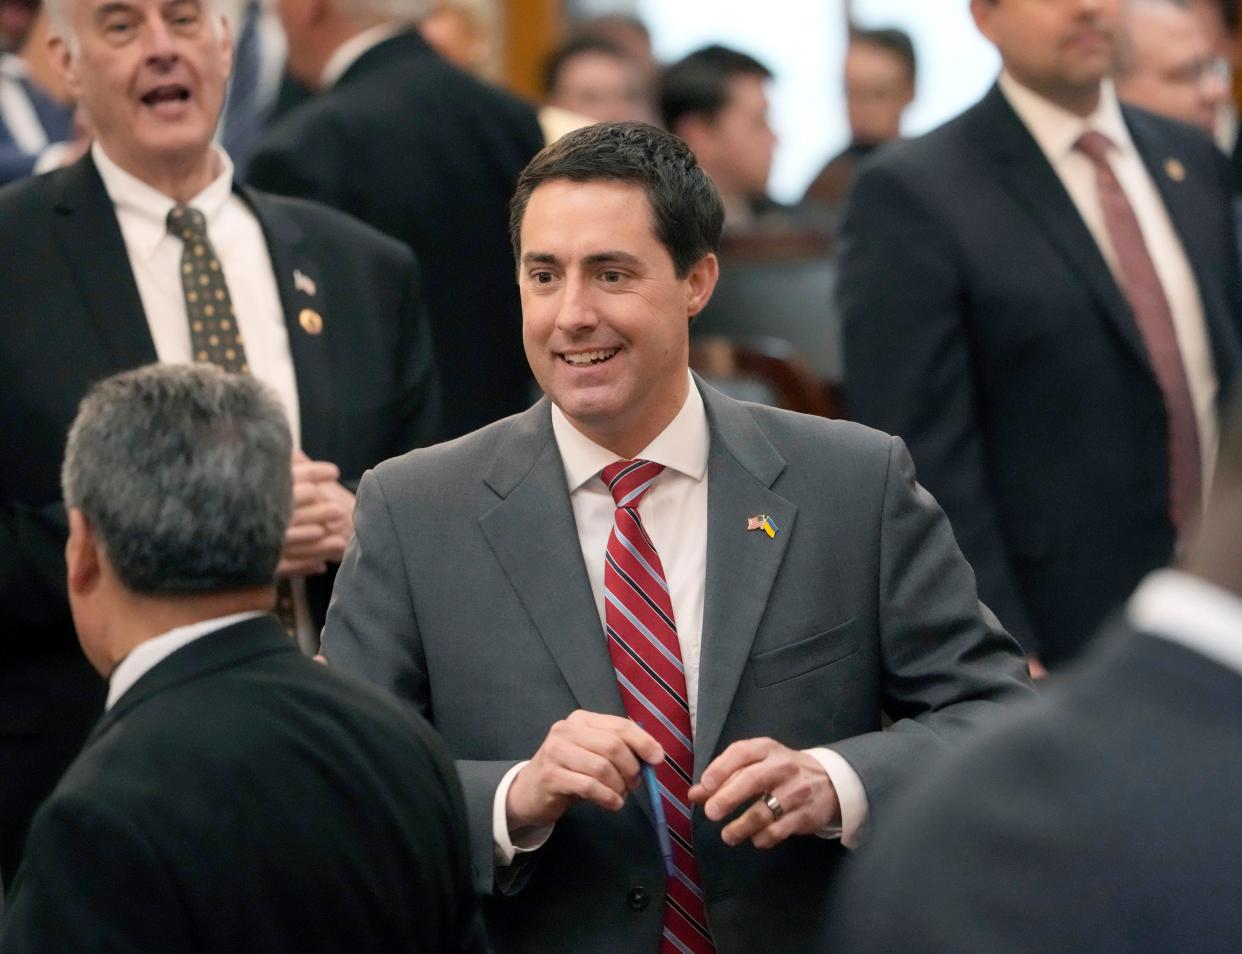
605, 319
150, 75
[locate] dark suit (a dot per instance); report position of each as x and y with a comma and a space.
465, 591
239, 797
1105, 819
428, 154
71, 315
983, 325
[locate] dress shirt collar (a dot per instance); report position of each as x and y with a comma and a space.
352, 50
147, 655
14, 67
1056, 129
146, 208
681, 446
1188, 610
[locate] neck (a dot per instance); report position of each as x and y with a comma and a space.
627, 438
1081, 100
1214, 555
332, 35
138, 618
180, 178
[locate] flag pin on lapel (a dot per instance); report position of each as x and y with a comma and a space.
303, 282
1175, 170
762, 522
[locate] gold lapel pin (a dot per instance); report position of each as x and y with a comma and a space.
1175, 170
764, 522
311, 321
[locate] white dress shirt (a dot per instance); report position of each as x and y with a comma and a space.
1191, 611
236, 236
146, 655
1056, 131
674, 514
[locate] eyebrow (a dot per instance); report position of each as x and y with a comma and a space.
597, 258
108, 9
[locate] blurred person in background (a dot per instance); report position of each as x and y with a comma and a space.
629, 34
715, 99
1041, 297
880, 75
595, 79
1167, 64
467, 33
427, 153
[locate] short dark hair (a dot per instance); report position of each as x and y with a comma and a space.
894, 41
698, 83
687, 214
184, 474
577, 47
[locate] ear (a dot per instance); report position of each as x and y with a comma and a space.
226, 44
694, 129
82, 555
63, 60
702, 282
980, 10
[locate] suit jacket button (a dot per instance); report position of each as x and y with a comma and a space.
637, 898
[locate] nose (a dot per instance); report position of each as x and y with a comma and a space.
577, 307
159, 40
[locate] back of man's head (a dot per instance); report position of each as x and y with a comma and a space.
698, 84
183, 473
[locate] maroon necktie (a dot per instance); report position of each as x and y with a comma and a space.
1155, 322
642, 640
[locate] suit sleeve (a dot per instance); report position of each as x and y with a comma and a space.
32, 567
948, 668
904, 299
92, 882
372, 631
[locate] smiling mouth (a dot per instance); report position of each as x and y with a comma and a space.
583, 359
166, 94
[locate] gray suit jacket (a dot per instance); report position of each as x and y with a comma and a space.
465, 592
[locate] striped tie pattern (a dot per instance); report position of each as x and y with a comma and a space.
642, 640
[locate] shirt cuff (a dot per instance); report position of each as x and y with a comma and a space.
507, 845
850, 794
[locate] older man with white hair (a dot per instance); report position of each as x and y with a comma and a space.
427, 153
146, 251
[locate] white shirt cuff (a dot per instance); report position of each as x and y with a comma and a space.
506, 846
850, 794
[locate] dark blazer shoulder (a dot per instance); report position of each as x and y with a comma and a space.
323, 222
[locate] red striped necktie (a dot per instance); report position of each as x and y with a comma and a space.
642, 640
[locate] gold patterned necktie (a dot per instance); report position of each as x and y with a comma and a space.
214, 335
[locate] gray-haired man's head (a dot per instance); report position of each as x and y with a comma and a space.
183, 473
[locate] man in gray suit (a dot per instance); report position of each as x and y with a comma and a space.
640, 585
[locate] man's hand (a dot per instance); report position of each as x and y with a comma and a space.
585, 757
746, 771
322, 522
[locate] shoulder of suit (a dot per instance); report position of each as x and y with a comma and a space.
31, 193
1164, 131
329, 224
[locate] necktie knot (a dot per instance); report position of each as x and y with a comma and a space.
187, 223
1094, 145
629, 480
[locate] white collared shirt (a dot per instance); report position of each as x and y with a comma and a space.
674, 514
352, 50
236, 236
1190, 611
1056, 131
147, 655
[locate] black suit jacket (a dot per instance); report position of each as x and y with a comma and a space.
71, 315
1105, 819
239, 797
983, 325
428, 154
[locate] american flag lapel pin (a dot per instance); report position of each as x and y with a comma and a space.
764, 522
303, 282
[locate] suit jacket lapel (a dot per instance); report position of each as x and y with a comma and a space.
217, 650
534, 536
302, 285
741, 565
1025, 173
89, 235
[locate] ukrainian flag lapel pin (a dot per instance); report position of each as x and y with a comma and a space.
762, 522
